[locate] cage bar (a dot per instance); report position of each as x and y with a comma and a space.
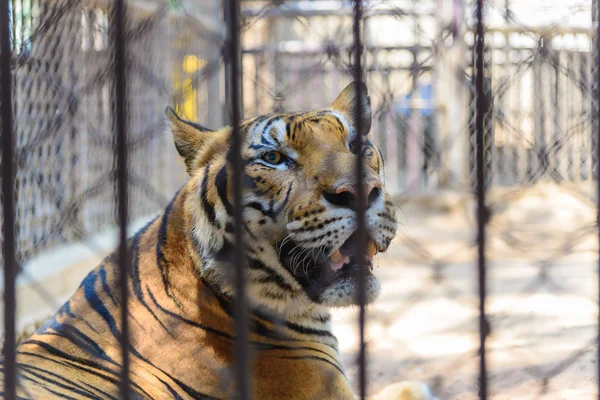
482, 213
120, 115
360, 197
8, 195
233, 51
596, 111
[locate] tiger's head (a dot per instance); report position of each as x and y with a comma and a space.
299, 202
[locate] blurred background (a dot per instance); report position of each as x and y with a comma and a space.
542, 247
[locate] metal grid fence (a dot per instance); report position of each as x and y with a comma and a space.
63, 94
516, 109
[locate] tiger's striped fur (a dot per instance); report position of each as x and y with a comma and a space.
180, 279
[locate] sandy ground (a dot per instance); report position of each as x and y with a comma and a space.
542, 299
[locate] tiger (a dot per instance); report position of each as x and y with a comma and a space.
300, 234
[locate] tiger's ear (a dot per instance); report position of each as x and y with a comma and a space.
189, 137
346, 105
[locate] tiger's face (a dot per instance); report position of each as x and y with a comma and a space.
300, 198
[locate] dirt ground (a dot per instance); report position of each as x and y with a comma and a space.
542, 298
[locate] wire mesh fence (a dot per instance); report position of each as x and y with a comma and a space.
62, 103
536, 137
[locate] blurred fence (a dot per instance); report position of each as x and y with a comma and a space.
296, 55
63, 98
539, 80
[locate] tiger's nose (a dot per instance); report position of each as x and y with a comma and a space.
344, 195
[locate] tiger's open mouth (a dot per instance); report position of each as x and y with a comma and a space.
345, 256
316, 269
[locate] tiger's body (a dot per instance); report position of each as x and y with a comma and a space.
173, 310
299, 222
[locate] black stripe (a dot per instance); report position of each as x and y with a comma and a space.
221, 185
105, 394
47, 389
315, 358
258, 206
285, 201
190, 322
187, 389
259, 119
323, 319
309, 331
264, 292
71, 386
267, 126
275, 138
66, 309
185, 121
170, 389
269, 346
82, 363
208, 208
163, 265
254, 326
339, 122
97, 305
260, 328
195, 394
137, 283
79, 339
105, 286
255, 146
274, 275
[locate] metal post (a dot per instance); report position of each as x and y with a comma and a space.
482, 212
232, 58
242, 370
8, 195
596, 15
120, 115
360, 199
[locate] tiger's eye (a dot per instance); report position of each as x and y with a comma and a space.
272, 157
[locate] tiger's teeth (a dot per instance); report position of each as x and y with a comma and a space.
371, 250
337, 256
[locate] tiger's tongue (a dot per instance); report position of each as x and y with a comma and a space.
338, 260
342, 256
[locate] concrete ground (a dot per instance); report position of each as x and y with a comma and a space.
542, 300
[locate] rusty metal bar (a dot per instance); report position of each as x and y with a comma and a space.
242, 368
361, 199
8, 196
482, 212
120, 115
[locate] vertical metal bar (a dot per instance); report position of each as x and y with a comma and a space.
229, 85
596, 11
120, 113
8, 195
482, 213
242, 371
360, 199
